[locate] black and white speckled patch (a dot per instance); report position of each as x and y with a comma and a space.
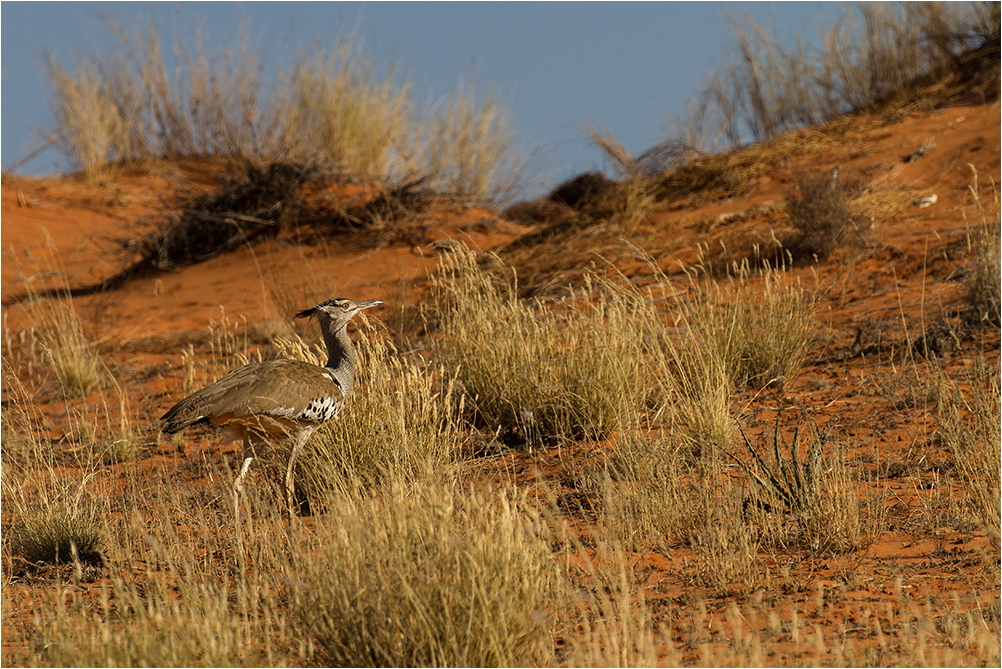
321, 409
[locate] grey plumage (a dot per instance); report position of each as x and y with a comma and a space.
279, 398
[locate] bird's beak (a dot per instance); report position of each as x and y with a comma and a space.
368, 304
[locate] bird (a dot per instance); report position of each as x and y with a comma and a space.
279, 399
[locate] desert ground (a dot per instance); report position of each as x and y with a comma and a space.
889, 555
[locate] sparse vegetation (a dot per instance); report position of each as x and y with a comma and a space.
873, 55
57, 333
728, 551
669, 498
816, 488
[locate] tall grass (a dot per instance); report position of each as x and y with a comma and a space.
769, 85
344, 117
333, 110
426, 577
140, 103
55, 329
725, 336
541, 371
174, 592
466, 143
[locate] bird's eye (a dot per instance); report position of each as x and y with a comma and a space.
346, 306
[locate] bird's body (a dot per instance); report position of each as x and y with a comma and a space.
280, 398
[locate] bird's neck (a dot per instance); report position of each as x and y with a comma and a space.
340, 356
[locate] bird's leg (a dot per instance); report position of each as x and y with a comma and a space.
238, 491
290, 487
238, 483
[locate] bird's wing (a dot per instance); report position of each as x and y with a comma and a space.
288, 389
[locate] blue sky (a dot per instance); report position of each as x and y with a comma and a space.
622, 66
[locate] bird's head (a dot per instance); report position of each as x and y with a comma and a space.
338, 311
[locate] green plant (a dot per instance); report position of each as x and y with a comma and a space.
817, 489
793, 481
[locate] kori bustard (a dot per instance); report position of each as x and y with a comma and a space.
279, 399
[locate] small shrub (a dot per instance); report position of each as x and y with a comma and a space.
696, 386
822, 217
258, 201
87, 121
54, 517
52, 535
73, 361
331, 111
629, 203
872, 54
467, 147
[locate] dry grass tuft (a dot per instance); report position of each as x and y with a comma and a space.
333, 111
969, 427
72, 359
425, 577
56, 332
539, 372
984, 283
725, 337
874, 54
659, 497
728, 550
